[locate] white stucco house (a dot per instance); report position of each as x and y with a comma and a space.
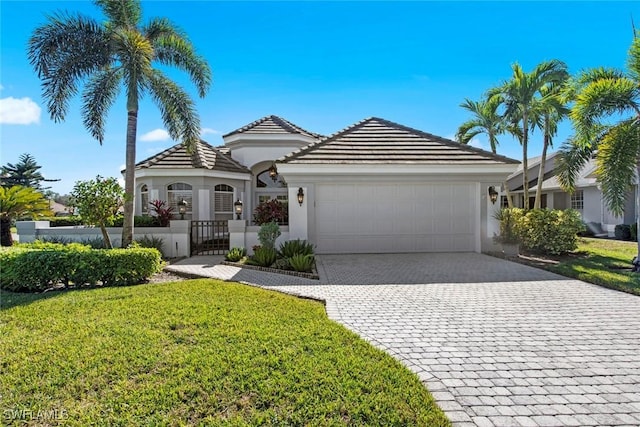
374, 187
587, 199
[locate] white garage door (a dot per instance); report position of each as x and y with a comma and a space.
374, 218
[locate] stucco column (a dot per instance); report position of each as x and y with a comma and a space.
180, 246
298, 214
237, 229
204, 204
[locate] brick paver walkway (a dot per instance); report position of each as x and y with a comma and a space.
497, 343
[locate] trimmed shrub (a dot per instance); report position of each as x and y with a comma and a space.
295, 247
550, 231
43, 265
268, 234
235, 254
138, 221
263, 257
623, 232
303, 263
271, 211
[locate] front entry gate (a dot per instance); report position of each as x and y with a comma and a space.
209, 237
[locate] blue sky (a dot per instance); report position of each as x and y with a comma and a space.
321, 65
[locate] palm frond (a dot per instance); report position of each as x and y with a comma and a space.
618, 162
161, 27
570, 160
178, 52
178, 111
63, 52
603, 98
99, 94
468, 130
121, 13
633, 62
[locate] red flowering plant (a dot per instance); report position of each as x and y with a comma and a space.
163, 212
271, 211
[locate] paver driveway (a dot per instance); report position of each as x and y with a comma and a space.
497, 343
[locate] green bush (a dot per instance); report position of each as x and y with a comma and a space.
623, 232
263, 256
151, 242
303, 263
96, 242
235, 254
268, 234
509, 219
59, 221
74, 264
295, 247
282, 264
550, 231
138, 221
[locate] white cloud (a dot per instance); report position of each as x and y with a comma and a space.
155, 135
1, 87
15, 111
205, 131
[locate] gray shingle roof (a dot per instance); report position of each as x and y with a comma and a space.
379, 141
273, 125
204, 156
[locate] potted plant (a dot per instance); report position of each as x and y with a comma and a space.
509, 237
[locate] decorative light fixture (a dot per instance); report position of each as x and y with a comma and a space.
182, 207
273, 172
493, 194
238, 207
300, 196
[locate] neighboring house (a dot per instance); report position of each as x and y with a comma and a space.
587, 199
375, 186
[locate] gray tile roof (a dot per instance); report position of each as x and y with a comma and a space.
204, 156
379, 141
273, 125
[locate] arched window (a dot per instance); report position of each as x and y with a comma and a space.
178, 192
223, 201
144, 199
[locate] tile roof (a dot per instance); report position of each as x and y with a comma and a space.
379, 141
273, 125
204, 156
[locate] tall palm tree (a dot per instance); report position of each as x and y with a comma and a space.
486, 120
606, 118
18, 201
520, 96
105, 57
552, 111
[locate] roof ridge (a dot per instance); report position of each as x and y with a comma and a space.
282, 122
226, 156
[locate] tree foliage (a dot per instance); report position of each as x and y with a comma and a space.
119, 52
16, 202
98, 201
26, 173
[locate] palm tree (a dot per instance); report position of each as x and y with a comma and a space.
19, 201
70, 50
486, 120
552, 111
520, 96
606, 118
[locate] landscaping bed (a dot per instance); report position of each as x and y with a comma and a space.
313, 275
603, 262
197, 352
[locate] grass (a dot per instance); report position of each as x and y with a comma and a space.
603, 262
197, 352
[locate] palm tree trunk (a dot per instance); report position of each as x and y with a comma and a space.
525, 161
6, 239
545, 144
129, 178
508, 195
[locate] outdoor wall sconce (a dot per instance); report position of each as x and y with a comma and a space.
273, 172
300, 196
238, 207
182, 208
493, 194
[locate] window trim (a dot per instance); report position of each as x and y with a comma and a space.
221, 192
186, 194
577, 200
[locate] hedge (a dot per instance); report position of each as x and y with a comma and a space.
550, 231
35, 268
66, 221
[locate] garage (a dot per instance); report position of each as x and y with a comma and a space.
396, 217
382, 187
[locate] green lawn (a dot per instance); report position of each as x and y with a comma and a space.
197, 352
595, 261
